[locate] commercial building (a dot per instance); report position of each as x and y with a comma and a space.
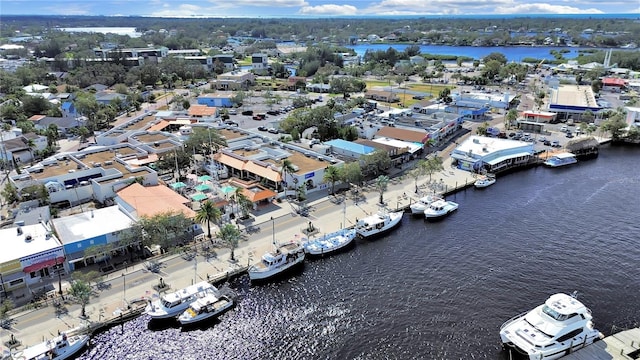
571, 101
480, 153
31, 256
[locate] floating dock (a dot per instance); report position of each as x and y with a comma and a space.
624, 345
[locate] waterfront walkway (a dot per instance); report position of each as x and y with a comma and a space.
623, 345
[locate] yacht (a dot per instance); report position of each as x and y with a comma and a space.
282, 258
330, 243
484, 181
204, 308
554, 329
378, 224
60, 347
422, 204
173, 304
561, 159
439, 209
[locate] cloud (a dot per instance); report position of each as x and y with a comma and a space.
260, 3
542, 8
329, 9
183, 10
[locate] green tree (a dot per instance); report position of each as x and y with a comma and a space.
10, 193
511, 116
482, 128
286, 168
6, 306
332, 174
230, 236
381, 185
418, 171
81, 291
208, 213
352, 173
204, 141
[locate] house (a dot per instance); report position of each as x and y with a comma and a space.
386, 96
353, 150
148, 201
64, 124
96, 87
68, 109
106, 97
18, 149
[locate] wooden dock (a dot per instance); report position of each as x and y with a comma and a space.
624, 345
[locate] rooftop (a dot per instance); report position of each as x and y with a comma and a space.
30, 240
91, 224
152, 200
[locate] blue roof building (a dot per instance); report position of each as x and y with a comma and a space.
348, 148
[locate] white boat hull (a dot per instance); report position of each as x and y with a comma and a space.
441, 211
268, 273
379, 229
187, 319
331, 243
75, 344
483, 183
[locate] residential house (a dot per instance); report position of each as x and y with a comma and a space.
260, 63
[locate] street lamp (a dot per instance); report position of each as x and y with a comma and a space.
4, 289
59, 277
124, 289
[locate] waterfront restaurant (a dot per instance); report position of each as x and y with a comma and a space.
481, 153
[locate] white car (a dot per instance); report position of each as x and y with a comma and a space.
233, 112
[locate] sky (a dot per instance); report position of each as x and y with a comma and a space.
313, 8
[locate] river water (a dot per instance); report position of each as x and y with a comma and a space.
437, 290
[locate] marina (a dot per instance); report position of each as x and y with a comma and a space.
461, 270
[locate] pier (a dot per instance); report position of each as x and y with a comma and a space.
623, 345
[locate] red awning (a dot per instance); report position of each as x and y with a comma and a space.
43, 264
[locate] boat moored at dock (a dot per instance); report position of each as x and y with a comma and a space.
439, 209
281, 259
173, 304
418, 208
330, 243
562, 159
61, 347
378, 224
484, 181
206, 307
552, 330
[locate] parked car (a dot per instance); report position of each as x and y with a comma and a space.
542, 139
555, 143
564, 128
233, 112
547, 143
569, 135
418, 97
273, 130
232, 123
262, 128
273, 112
247, 112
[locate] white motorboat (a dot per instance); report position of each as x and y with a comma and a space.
60, 347
378, 224
418, 208
439, 209
554, 329
281, 259
204, 308
561, 159
173, 304
333, 242
330, 243
484, 181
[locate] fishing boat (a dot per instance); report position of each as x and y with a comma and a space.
552, 330
439, 209
484, 181
206, 307
61, 347
378, 224
173, 304
331, 243
282, 258
422, 204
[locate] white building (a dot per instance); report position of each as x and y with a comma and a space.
30, 257
478, 153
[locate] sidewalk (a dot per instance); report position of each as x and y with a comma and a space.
136, 282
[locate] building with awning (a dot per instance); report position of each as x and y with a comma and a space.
93, 227
31, 254
481, 153
539, 116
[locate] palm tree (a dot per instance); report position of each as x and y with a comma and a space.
82, 292
208, 213
230, 236
418, 170
287, 168
243, 202
381, 185
332, 174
